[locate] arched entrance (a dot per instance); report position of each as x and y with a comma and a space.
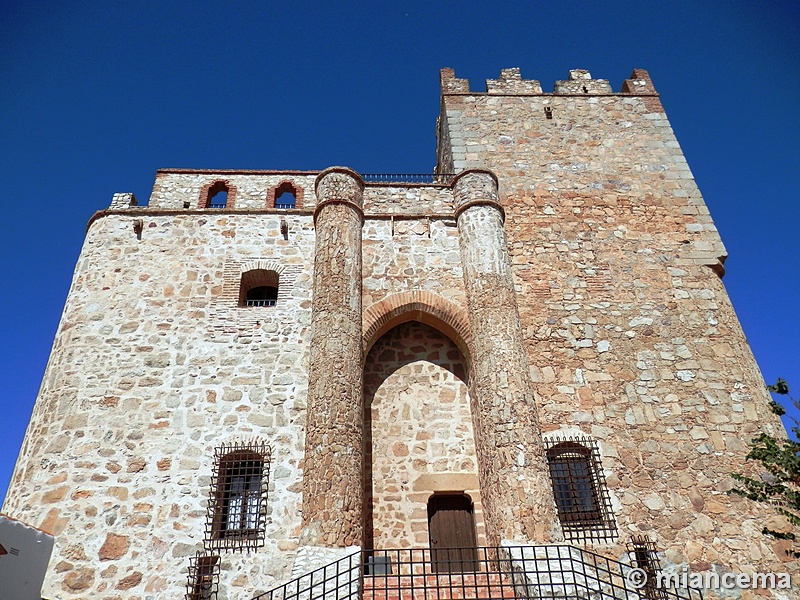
418, 433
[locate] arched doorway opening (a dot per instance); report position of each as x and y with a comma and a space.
419, 439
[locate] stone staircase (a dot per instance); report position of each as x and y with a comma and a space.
444, 586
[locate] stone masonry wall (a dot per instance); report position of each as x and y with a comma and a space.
138, 393
419, 433
250, 189
411, 254
155, 364
407, 200
629, 331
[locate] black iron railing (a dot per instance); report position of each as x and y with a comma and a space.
520, 572
340, 580
424, 178
260, 302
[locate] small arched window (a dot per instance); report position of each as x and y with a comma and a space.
285, 196
259, 287
238, 496
218, 195
581, 496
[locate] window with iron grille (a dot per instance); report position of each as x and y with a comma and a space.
237, 507
644, 556
259, 287
203, 580
582, 500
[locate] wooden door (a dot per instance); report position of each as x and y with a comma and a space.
451, 529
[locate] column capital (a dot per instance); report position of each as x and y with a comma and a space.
339, 185
481, 173
476, 187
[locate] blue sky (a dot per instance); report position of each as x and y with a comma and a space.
95, 96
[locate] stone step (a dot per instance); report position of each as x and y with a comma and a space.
442, 586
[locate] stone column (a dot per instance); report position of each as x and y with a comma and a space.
334, 456
515, 483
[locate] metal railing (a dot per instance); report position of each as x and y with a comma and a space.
260, 302
217, 205
283, 206
340, 580
424, 178
521, 572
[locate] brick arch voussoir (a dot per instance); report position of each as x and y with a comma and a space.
262, 265
426, 307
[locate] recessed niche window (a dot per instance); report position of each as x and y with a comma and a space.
265, 295
582, 501
258, 287
236, 510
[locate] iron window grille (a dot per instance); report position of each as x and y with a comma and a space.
203, 580
262, 296
644, 556
237, 507
579, 487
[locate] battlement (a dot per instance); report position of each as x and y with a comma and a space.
579, 82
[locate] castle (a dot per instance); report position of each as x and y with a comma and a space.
263, 372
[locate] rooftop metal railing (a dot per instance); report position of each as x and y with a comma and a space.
423, 178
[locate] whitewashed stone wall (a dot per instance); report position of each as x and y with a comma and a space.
147, 377
155, 364
174, 187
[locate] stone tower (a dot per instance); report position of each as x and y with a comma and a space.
261, 372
